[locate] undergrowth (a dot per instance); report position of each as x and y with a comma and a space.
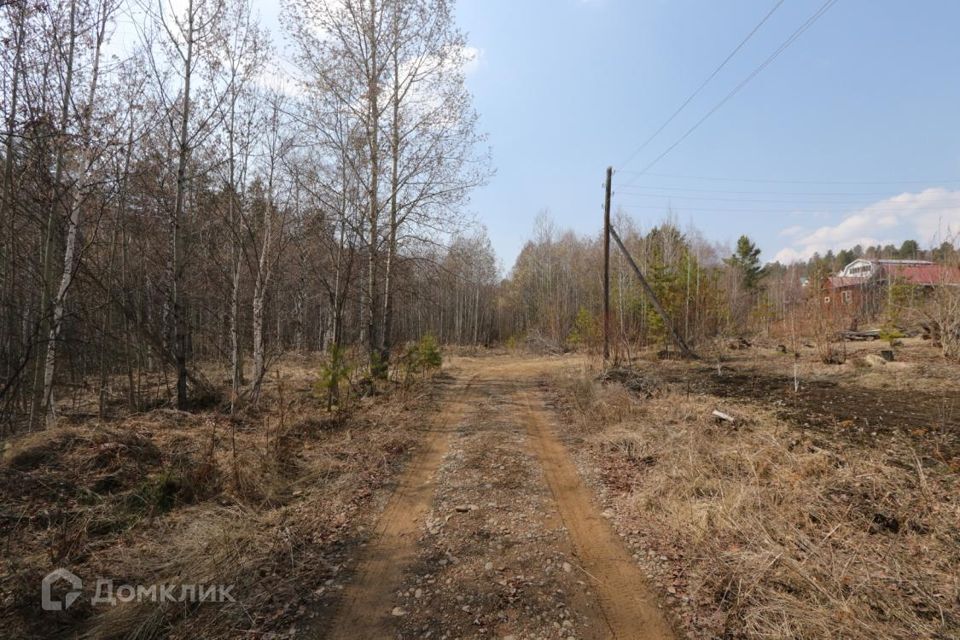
268, 500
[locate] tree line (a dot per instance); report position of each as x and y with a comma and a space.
553, 295
172, 209
944, 253
555, 289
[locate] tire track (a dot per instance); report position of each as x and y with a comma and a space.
628, 604
504, 577
364, 611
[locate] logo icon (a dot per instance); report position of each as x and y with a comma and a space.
47, 601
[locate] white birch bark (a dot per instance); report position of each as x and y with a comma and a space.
73, 221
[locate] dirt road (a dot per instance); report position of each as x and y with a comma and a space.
491, 533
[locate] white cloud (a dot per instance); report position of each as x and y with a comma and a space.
928, 217
792, 232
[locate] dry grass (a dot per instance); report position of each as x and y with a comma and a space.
269, 501
767, 531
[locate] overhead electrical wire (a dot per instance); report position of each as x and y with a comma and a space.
703, 84
773, 181
788, 210
826, 6
747, 200
640, 190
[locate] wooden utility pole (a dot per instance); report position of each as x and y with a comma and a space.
606, 266
677, 339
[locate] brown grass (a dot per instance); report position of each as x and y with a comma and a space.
761, 530
270, 501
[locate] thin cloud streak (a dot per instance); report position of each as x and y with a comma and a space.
930, 216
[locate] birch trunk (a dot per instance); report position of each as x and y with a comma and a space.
73, 222
264, 269
386, 339
39, 389
476, 316
233, 215
236, 356
259, 359
378, 368
132, 394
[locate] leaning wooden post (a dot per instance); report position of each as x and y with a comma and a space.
684, 349
606, 267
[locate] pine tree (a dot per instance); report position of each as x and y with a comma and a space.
909, 250
747, 260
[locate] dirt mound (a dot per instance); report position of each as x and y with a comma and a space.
101, 449
99, 460
836, 407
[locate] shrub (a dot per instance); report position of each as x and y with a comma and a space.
428, 353
334, 372
891, 334
586, 331
157, 494
422, 357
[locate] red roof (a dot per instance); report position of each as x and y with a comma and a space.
926, 274
917, 274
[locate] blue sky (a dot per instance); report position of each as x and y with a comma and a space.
851, 136
869, 95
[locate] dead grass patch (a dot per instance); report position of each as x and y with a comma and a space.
764, 530
270, 501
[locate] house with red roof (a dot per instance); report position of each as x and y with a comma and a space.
862, 286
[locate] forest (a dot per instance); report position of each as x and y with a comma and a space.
174, 206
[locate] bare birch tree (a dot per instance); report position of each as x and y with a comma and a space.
84, 157
188, 46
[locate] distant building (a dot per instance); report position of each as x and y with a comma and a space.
860, 288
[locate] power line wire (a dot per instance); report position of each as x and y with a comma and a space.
792, 210
640, 190
826, 6
746, 200
703, 84
772, 181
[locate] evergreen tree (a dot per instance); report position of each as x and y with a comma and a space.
845, 257
747, 260
909, 249
945, 253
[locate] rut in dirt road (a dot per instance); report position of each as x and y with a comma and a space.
363, 612
629, 606
504, 541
